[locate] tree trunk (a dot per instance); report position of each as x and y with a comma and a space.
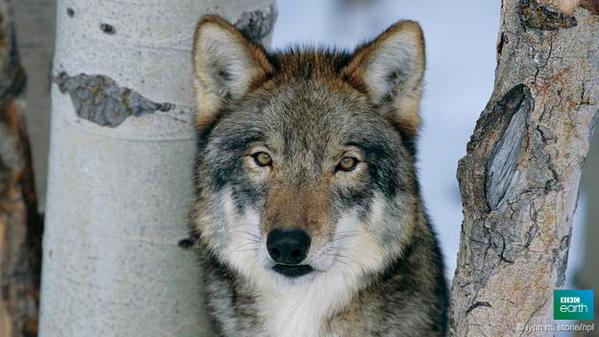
20, 225
519, 179
34, 20
120, 180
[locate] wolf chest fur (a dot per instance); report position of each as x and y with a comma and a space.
308, 209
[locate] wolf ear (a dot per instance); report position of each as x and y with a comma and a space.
226, 66
390, 69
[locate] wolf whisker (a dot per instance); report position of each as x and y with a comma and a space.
237, 249
250, 234
346, 234
246, 250
351, 259
254, 240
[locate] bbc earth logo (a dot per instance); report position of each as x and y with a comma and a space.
576, 305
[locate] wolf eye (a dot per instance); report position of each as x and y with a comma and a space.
347, 164
262, 159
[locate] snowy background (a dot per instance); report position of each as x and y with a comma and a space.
460, 45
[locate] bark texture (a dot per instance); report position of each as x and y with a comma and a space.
20, 226
519, 179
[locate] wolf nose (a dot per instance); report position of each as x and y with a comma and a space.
288, 246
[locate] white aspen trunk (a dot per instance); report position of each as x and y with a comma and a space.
120, 172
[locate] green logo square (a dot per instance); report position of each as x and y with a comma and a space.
575, 305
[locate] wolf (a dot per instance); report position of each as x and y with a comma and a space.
308, 210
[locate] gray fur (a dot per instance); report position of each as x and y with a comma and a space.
307, 114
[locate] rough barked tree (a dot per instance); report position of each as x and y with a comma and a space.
519, 179
120, 172
20, 224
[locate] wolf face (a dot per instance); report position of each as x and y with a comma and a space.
305, 167
309, 147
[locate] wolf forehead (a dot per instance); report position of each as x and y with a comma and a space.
307, 89
310, 111
309, 63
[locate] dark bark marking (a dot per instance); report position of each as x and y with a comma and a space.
478, 304
70, 12
501, 166
101, 100
503, 40
108, 29
191, 241
256, 25
539, 16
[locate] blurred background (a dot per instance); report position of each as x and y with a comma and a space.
460, 37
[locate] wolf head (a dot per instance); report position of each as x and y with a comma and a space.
306, 157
